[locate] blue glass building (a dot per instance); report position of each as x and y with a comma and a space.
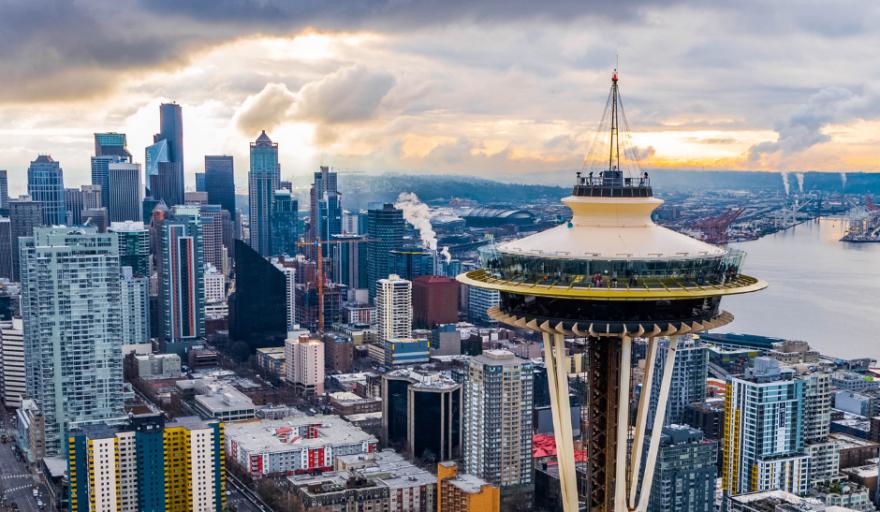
46, 185
264, 179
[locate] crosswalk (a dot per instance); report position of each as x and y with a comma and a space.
12, 490
14, 477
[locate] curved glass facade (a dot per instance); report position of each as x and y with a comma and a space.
613, 273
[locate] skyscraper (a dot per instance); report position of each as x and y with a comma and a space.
73, 203
763, 431
135, 292
689, 375
258, 308
181, 280
171, 129
134, 246
435, 301
200, 182
479, 302
264, 179
4, 190
385, 233
394, 308
110, 148
72, 328
24, 214
112, 144
125, 193
220, 182
154, 155
349, 258
164, 159
685, 474
46, 185
498, 425
216, 234
282, 223
326, 207
6, 247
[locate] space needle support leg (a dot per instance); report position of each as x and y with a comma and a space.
641, 422
622, 424
568, 462
566, 480
659, 416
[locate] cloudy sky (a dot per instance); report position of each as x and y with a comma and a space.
500, 88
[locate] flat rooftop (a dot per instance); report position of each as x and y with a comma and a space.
260, 436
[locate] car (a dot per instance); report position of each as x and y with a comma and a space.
36, 492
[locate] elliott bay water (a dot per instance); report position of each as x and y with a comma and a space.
822, 291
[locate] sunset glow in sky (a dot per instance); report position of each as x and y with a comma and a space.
496, 88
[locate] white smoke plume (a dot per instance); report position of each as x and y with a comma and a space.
800, 180
445, 253
785, 181
843, 181
418, 214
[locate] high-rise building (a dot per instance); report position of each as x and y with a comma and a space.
182, 280
220, 182
349, 259
147, 465
498, 425
264, 179
289, 294
71, 311
12, 370
763, 431
385, 228
689, 375
125, 194
435, 301
134, 246
96, 217
110, 148
326, 206
479, 302
4, 190
155, 154
685, 474
422, 414
412, 261
46, 185
135, 292
305, 364
216, 231
24, 214
84, 198
112, 144
171, 129
282, 223
6, 248
258, 307
200, 182
394, 308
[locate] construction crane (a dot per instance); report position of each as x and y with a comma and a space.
319, 247
715, 228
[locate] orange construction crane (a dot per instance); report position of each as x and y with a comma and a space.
319, 245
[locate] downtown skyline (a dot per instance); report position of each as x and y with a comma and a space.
493, 89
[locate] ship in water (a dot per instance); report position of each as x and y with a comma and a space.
864, 223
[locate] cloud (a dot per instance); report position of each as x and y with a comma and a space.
638, 153
350, 94
266, 109
804, 129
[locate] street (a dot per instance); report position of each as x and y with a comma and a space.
16, 483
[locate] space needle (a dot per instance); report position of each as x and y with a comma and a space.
609, 275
